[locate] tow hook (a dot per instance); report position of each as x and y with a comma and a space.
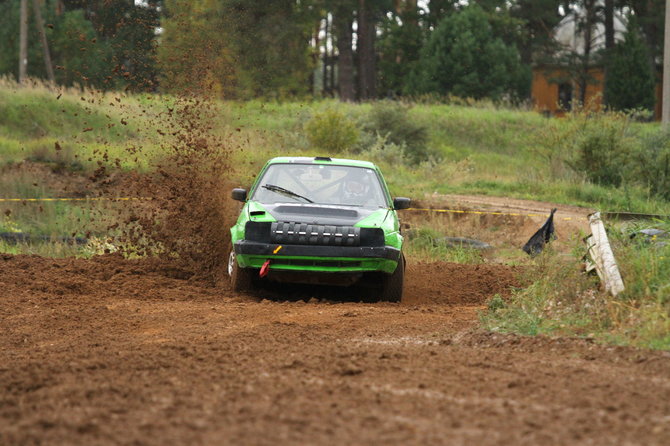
265, 269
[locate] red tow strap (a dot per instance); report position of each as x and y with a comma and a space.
265, 269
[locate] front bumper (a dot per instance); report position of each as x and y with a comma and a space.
317, 258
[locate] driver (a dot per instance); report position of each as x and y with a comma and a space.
355, 190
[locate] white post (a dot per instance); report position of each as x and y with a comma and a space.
603, 257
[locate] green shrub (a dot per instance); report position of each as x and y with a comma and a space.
391, 120
604, 149
653, 163
58, 158
332, 131
426, 242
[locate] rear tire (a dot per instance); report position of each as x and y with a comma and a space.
240, 278
392, 284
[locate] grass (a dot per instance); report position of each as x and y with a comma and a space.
478, 149
429, 243
562, 300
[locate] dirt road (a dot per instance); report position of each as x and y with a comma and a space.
110, 351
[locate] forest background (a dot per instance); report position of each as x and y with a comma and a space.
354, 50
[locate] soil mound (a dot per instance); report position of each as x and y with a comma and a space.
89, 281
455, 283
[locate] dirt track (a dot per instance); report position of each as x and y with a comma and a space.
108, 351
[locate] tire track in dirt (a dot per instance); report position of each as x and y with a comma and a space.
114, 351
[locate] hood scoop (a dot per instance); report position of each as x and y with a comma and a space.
317, 214
316, 210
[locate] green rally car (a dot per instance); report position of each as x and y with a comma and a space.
322, 221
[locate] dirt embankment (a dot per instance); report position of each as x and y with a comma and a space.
113, 351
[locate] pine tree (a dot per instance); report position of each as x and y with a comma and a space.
630, 82
464, 57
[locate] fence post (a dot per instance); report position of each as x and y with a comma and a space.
601, 252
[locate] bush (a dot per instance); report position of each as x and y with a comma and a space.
610, 152
653, 163
332, 131
391, 120
604, 150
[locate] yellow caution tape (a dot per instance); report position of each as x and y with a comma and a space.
461, 211
21, 200
452, 211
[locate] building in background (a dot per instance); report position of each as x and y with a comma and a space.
576, 76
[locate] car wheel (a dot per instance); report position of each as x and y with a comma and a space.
392, 284
240, 278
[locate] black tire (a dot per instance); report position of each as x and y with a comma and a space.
392, 284
240, 278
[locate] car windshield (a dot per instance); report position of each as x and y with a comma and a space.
321, 184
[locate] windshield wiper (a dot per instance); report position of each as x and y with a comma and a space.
288, 193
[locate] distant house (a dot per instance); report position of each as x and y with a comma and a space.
557, 87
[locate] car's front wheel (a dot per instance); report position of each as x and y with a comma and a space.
240, 278
392, 284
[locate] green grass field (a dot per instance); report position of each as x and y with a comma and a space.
421, 148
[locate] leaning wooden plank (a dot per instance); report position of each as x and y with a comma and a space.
602, 255
590, 265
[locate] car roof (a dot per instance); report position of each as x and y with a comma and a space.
321, 160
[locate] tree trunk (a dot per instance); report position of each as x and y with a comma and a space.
325, 57
45, 43
366, 52
345, 61
23, 41
590, 23
609, 41
609, 24
315, 57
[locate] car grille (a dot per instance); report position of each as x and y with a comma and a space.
292, 233
306, 234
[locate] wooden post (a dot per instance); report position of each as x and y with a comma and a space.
603, 257
23, 41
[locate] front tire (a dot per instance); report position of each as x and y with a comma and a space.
392, 284
240, 278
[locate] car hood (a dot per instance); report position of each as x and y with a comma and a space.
324, 214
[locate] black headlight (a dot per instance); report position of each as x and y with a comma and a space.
257, 231
372, 237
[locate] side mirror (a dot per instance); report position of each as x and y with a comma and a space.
239, 194
401, 203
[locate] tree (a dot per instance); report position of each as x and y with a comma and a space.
193, 54
539, 18
651, 18
437, 10
269, 42
82, 58
130, 31
630, 84
343, 20
399, 47
367, 76
465, 58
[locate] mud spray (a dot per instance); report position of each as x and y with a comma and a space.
183, 212
187, 218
